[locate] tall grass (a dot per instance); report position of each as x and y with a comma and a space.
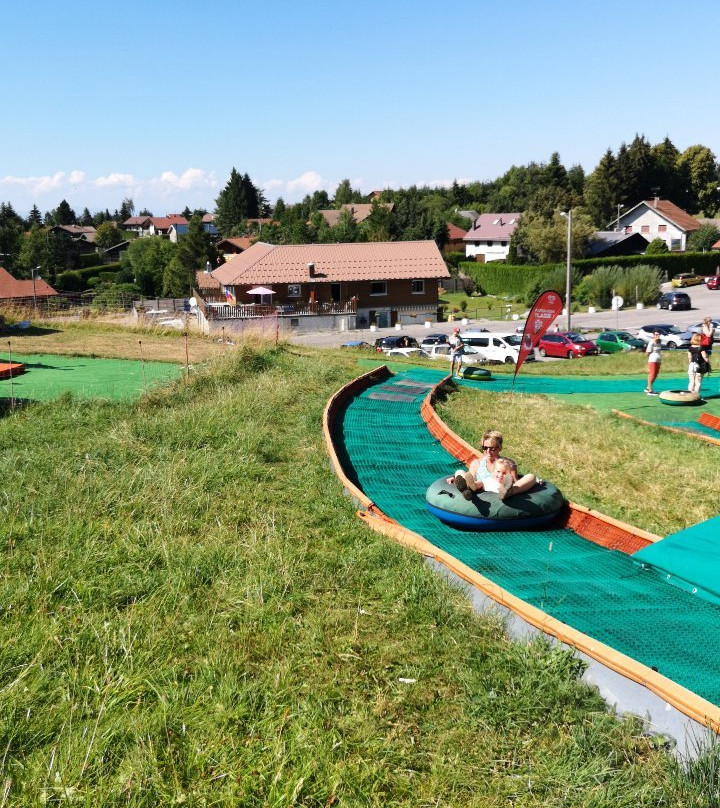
192, 614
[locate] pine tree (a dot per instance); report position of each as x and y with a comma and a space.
35, 217
602, 194
64, 214
86, 219
194, 249
239, 200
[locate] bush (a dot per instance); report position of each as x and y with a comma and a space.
656, 247
504, 279
70, 281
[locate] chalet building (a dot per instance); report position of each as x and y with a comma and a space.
659, 218
327, 286
153, 225
489, 237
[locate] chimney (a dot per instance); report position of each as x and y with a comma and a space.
311, 269
500, 221
657, 199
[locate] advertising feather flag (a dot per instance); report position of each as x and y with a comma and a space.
540, 317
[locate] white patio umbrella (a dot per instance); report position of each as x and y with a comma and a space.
260, 290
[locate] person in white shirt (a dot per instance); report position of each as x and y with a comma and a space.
653, 368
456, 351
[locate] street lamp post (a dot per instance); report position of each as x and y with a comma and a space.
32, 273
617, 221
568, 269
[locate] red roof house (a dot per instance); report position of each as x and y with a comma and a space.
19, 290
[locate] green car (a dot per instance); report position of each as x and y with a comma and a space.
614, 341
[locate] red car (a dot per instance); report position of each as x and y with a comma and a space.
713, 282
566, 343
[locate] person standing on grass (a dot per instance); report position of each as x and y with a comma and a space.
653, 367
707, 333
456, 351
697, 363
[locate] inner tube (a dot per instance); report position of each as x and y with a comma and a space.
476, 373
680, 398
486, 511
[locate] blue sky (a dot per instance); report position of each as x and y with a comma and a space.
158, 101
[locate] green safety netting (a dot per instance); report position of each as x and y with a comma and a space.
389, 453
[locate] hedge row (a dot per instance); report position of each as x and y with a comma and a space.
497, 278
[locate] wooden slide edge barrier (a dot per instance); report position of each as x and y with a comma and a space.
684, 432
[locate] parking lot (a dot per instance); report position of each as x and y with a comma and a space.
705, 302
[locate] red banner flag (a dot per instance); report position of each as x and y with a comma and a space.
544, 310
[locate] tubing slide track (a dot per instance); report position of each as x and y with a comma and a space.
589, 581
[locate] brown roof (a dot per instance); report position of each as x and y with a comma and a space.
204, 281
360, 212
12, 289
675, 214
455, 233
381, 260
241, 243
166, 222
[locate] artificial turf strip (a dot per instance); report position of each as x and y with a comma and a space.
47, 377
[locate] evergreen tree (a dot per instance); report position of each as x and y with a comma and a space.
176, 280
194, 249
238, 200
346, 229
377, 226
555, 173
344, 194
86, 219
279, 208
602, 193
666, 177
35, 217
64, 214
11, 230
127, 208
640, 172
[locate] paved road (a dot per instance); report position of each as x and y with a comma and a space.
704, 301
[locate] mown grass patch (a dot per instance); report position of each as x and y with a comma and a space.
192, 614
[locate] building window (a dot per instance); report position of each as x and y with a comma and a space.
645, 228
489, 243
378, 288
418, 287
628, 229
293, 290
662, 228
675, 244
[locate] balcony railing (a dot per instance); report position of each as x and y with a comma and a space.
215, 310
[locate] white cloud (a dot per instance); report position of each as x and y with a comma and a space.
40, 185
190, 179
114, 180
306, 183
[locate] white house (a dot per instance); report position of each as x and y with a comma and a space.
489, 237
659, 218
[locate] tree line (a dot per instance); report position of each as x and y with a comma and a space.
690, 179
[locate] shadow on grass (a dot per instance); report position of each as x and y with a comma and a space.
30, 331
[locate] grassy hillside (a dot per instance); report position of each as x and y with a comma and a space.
192, 614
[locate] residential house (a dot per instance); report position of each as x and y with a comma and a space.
360, 211
606, 243
330, 286
177, 230
153, 225
23, 291
228, 247
489, 237
659, 218
455, 241
82, 239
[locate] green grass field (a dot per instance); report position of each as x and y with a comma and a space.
192, 614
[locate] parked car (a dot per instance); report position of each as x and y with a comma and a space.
674, 300
697, 329
687, 279
616, 341
670, 335
401, 341
469, 356
713, 281
496, 347
568, 344
433, 339
359, 345
415, 353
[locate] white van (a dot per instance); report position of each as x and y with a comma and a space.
497, 347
